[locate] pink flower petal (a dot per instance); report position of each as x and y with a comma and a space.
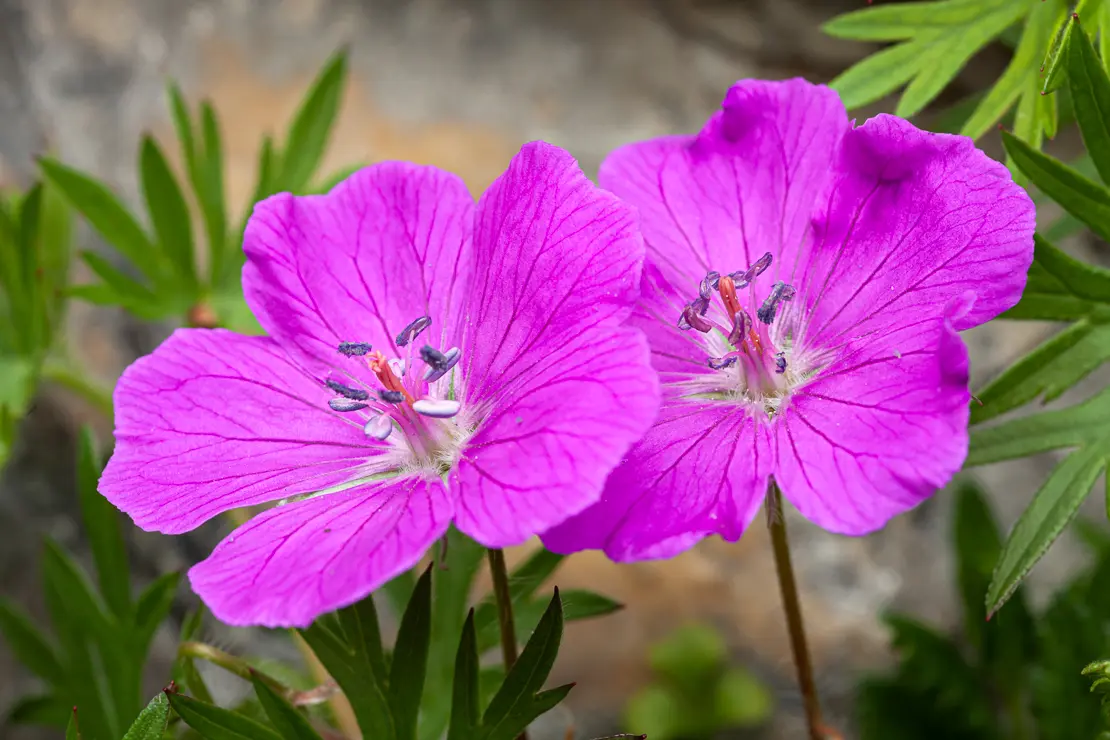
879, 431
701, 470
384, 247
553, 256
292, 563
212, 421
554, 436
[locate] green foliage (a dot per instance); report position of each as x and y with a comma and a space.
696, 693
162, 278
1014, 676
1060, 288
101, 635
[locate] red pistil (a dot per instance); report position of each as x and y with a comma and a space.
388, 378
727, 287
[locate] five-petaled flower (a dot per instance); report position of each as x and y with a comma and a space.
428, 362
804, 284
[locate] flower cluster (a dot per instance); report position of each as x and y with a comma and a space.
430, 362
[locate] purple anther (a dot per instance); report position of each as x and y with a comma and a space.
354, 349
432, 373
720, 363
379, 427
780, 363
743, 278
709, 283
779, 294
691, 319
391, 396
412, 331
345, 404
436, 409
355, 394
700, 304
432, 356
741, 324
397, 365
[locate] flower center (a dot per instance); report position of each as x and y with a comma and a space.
749, 359
416, 413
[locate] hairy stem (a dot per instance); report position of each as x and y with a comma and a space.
776, 523
504, 602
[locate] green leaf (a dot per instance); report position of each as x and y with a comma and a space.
898, 21
46, 710
1059, 287
102, 526
1053, 506
464, 692
72, 730
217, 723
107, 215
1055, 64
523, 582
519, 700
208, 183
153, 607
336, 177
311, 128
581, 604
879, 74
168, 211
151, 722
410, 658
1090, 98
28, 644
292, 724
1083, 198
360, 625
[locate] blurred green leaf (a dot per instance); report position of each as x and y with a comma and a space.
217, 723
209, 187
46, 710
153, 607
464, 694
410, 658
108, 216
102, 527
311, 127
289, 722
168, 212
28, 644
151, 722
72, 731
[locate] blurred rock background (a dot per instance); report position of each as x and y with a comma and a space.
462, 84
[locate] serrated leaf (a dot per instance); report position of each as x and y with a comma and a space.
151, 722
111, 219
311, 128
1090, 98
102, 527
289, 722
169, 213
1083, 198
465, 688
1053, 506
217, 723
519, 700
410, 658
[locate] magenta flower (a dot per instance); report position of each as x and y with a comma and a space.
427, 363
803, 289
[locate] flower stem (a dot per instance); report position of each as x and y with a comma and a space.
776, 522
504, 602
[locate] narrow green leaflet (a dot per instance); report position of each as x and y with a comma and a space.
465, 689
217, 723
1054, 67
28, 644
168, 211
290, 723
209, 186
102, 526
151, 722
937, 40
47, 710
410, 658
311, 128
1090, 96
73, 732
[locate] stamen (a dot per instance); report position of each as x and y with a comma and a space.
355, 394
780, 363
691, 317
345, 404
397, 365
743, 278
432, 374
379, 427
720, 363
412, 331
385, 374
354, 349
741, 325
708, 283
779, 294
391, 396
436, 409
432, 356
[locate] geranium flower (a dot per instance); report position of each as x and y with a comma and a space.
804, 285
427, 362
